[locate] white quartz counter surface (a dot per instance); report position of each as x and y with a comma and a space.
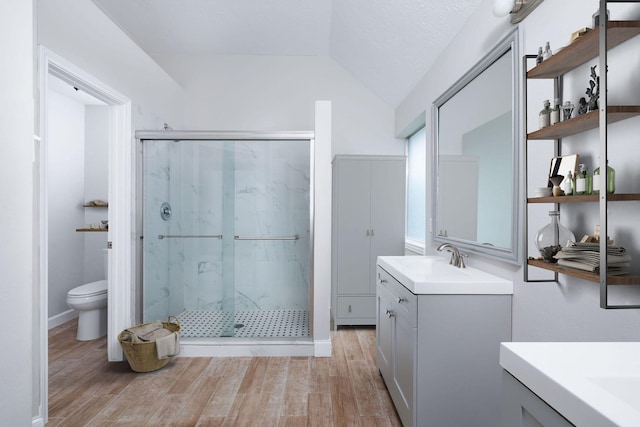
434, 275
590, 384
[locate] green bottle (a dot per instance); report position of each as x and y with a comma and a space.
611, 178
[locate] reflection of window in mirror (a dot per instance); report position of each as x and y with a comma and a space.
416, 194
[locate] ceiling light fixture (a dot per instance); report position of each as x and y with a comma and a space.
519, 9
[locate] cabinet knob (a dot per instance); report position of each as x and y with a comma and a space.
389, 313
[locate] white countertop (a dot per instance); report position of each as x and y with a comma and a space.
434, 275
590, 384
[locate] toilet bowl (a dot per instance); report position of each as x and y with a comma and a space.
90, 301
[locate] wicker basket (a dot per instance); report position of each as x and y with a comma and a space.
142, 355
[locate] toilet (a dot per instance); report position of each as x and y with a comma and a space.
90, 301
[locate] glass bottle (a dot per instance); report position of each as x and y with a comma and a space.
581, 180
554, 115
589, 180
567, 184
547, 52
611, 178
539, 57
545, 115
552, 237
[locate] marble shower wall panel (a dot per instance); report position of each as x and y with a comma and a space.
156, 173
272, 181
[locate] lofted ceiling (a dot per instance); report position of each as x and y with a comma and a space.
388, 45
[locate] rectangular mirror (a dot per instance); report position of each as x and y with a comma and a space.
477, 178
562, 165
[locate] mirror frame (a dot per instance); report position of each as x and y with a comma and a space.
511, 254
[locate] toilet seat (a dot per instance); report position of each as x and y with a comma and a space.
89, 289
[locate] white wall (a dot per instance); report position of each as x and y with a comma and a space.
568, 310
65, 181
17, 370
78, 31
96, 174
278, 93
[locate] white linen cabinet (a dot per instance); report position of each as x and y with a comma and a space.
368, 220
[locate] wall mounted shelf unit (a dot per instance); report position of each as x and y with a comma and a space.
93, 230
594, 44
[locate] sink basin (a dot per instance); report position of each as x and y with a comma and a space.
626, 389
592, 384
434, 275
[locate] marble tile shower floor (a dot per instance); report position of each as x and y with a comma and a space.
246, 324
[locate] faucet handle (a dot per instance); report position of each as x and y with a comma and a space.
461, 258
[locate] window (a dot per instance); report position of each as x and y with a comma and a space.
416, 194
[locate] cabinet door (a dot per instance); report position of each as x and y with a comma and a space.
387, 211
353, 188
403, 367
383, 333
522, 407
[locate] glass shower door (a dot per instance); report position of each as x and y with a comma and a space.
272, 238
184, 255
226, 236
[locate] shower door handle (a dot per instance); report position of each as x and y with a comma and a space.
189, 236
267, 238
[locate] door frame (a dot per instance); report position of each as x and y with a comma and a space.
120, 194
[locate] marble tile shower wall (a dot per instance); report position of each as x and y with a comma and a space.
262, 188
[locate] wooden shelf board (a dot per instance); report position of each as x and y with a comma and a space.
625, 197
592, 277
584, 122
94, 206
583, 49
92, 230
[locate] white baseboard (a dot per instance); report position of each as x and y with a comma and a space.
37, 422
241, 348
61, 318
322, 348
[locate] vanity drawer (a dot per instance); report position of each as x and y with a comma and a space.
405, 303
356, 307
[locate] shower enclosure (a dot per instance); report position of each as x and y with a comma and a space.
226, 232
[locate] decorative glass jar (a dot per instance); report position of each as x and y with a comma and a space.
552, 237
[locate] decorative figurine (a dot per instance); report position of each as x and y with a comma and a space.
567, 110
593, 91
582, 106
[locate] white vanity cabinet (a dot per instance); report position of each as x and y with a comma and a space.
438, 353
367, 221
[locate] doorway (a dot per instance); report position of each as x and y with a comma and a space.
54, 69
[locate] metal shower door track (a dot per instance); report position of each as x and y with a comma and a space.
205, 135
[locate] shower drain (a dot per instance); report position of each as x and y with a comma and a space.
238, 325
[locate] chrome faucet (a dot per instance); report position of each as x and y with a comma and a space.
457, 259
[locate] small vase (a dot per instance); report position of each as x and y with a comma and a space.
552, 237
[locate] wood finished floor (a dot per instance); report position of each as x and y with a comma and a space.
343, 390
